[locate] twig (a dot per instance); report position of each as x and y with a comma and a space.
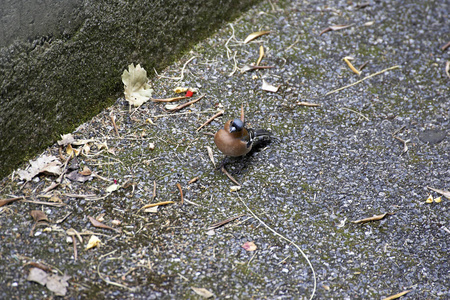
181, 192
308, 104
359, 81
210, 119
169, 99
405, 147
356, 112
182, 71
113, 120
445, 46
288, 240
184, 113
109, 281
229, 176
154, 190
221, 223
181, 106
45, 203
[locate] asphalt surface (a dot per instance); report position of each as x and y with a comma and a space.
328, 165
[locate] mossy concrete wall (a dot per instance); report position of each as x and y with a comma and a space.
61, 61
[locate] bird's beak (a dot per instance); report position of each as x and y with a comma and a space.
232, 129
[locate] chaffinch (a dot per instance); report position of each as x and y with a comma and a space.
235, 140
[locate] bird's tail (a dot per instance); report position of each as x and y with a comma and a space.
262, 133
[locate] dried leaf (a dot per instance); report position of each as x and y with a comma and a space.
93, 242
193, 180
66, 139
255, 35
202, 292
55, 283
99, 224
7, 201
349, 64
374, 218
39, 215
170, 106
179, 90
397, 295
58, 284
75, 176
210, 155
438, 199
370, 23
86, 171
334, 28
249, 246
44, 164
101, 146
137, 88
444, 193
151, 209
261, 55
37, 275
112, 188
269, 88
235, 188
429, 199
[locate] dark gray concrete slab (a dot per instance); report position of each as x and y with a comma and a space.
329, 165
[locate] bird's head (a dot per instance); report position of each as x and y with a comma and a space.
236, 125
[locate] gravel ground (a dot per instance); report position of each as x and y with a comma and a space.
328, 166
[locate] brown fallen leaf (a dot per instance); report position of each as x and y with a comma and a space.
334, 28
39, 215
249, 246
261, 55
86, 171
99, 224
255, 35
444, 193
193, 180
78, 177
202, 292
374, 218
397, 295
181, 192
347, 60
10, 200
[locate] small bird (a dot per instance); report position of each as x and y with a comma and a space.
235, 140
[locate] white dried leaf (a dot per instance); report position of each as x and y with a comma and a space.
269, 88
112, 188
44, 164
66, 139
137, 88
93, 242
202, 292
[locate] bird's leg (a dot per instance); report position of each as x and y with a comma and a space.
229, 176
223, 163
